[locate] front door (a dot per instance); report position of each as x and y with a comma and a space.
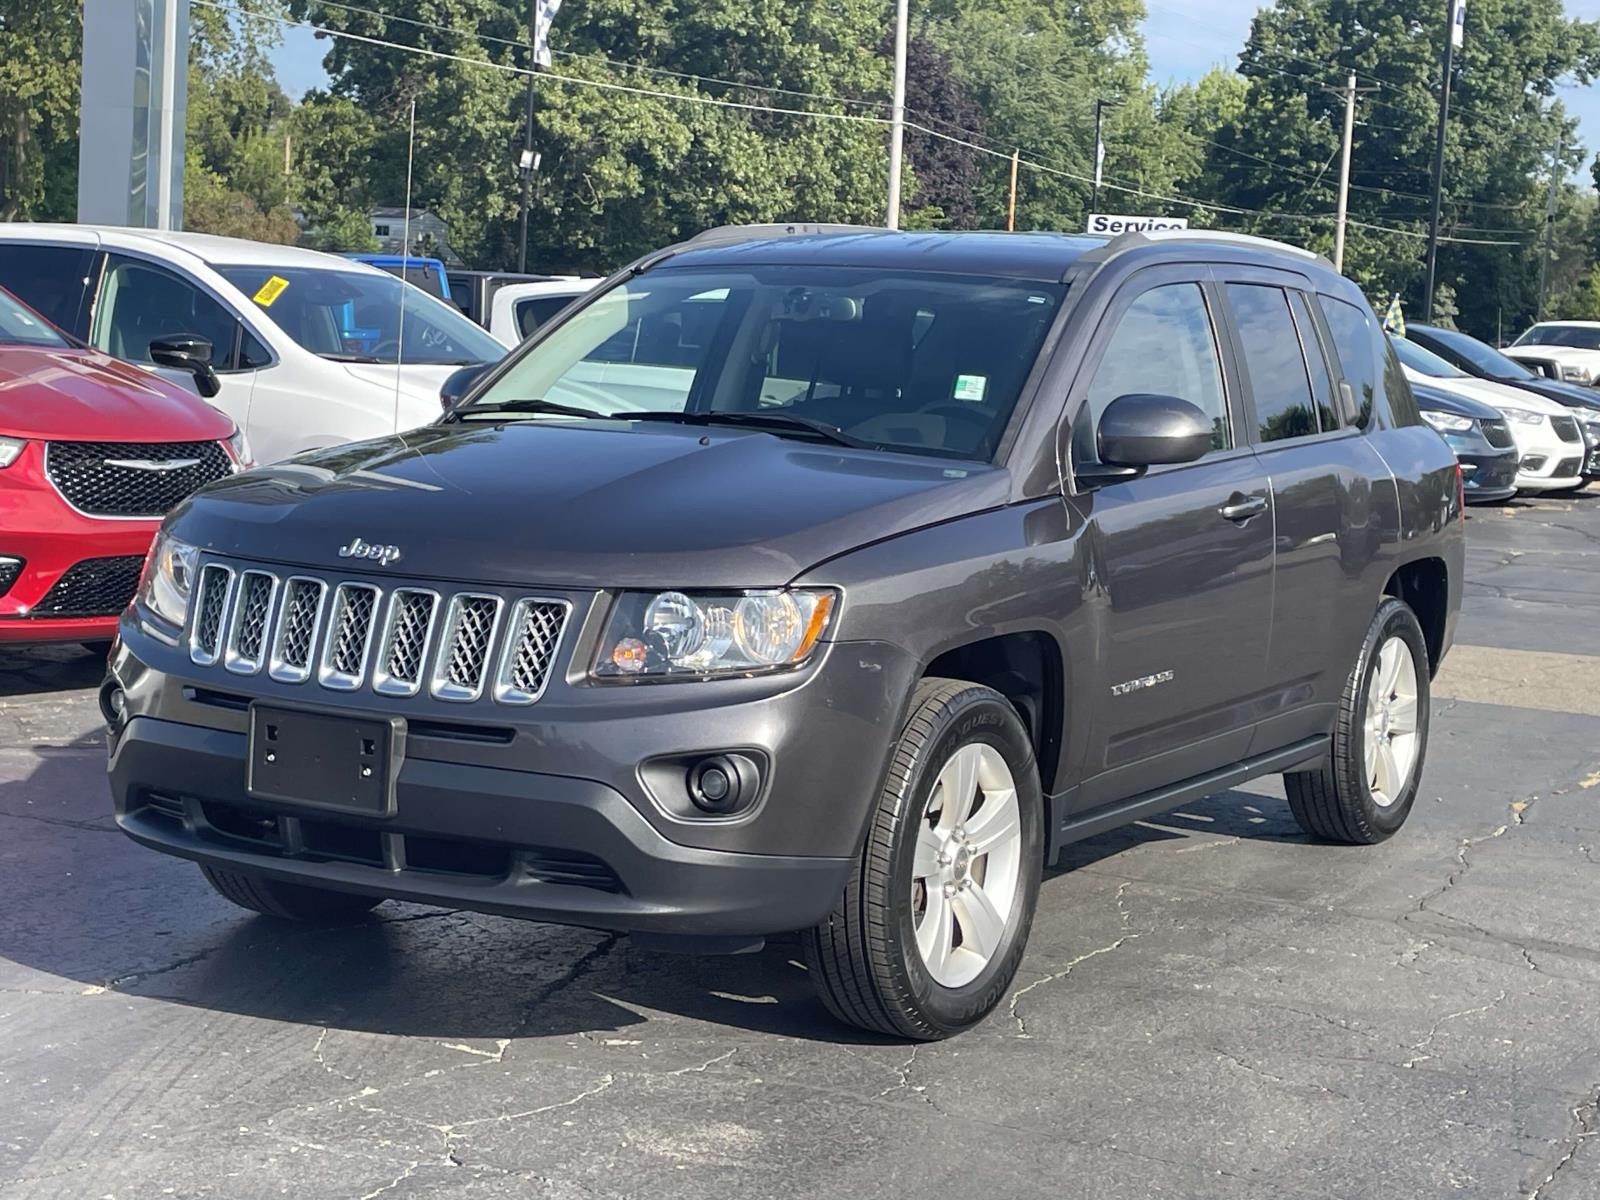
1181, 600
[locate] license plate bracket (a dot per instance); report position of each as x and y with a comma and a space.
323, 760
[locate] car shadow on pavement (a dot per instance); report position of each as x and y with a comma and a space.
83, 903
35, 671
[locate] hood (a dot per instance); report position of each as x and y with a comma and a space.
83, 395
1555, 354
1433, 399
1486, 391
592, 504
1571, 395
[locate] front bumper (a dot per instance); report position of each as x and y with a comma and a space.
541, 847
1547, 463
1488, 475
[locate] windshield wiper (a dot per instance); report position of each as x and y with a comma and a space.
549, 407
772, 421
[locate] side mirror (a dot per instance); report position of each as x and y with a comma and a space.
188, 352
459, 383
1140, 431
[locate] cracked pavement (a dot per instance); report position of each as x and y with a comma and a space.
1269, 1018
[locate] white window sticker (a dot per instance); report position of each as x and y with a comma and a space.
971, 388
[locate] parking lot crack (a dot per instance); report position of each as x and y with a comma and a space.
1418, 1048
1271, 1078
136, 977
1016, 997
1584, 1126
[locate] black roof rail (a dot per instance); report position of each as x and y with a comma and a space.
1153, 237
730, 235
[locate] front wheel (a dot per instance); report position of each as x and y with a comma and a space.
1364, 793
931, 927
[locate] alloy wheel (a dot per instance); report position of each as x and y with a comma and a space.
1392, 742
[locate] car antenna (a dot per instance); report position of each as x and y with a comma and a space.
405, 264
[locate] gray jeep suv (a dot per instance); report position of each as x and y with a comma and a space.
813, 579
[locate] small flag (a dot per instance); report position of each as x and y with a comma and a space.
544, 16
1458, 23
1099, 162
1394, 321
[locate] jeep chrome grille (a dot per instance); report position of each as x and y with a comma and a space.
344, 657
399, 641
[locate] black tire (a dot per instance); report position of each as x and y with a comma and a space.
288, 901
863, 958
1334, 802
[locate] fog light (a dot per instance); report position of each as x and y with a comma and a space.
724, 784
113, 704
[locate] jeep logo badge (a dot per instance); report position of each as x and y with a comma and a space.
363, 549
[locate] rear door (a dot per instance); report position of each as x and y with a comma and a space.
55, 280
1181, 596
1322, 473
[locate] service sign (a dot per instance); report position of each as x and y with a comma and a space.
1111, 224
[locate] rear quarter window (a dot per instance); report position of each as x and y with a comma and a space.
1366, 362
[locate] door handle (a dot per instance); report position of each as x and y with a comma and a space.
1241, 508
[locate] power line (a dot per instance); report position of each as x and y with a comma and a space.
722, 102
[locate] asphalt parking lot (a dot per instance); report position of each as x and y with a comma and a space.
1212, 1006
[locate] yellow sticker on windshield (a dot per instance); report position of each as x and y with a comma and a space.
270, 290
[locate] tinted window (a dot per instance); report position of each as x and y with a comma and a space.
1164, 345
252, 354
901, 360
1424, 362
140, 302
534, 312
1356, 346
1579, 337
1469, 349
1272, 356
1321, 381
51, 280
1403, 408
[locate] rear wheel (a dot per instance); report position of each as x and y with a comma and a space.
1364, 794
928, 934
288, 901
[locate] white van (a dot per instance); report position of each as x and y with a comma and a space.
309, 349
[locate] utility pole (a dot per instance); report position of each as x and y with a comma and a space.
1344, 172
1453, 23
1011, 211
526, 164
1550, 224
1099, 152
897, 123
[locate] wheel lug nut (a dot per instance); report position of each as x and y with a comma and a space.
949, 890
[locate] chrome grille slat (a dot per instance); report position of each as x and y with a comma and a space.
212, 597
299, 625
249, 621
530, 651
403, 644
462, 659
349, 638
400, 642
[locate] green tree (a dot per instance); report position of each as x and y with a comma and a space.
41, 44
1279, 152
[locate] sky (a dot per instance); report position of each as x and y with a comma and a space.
1183, 45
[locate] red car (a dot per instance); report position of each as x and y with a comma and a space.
93, 452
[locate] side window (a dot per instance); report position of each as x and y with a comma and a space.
536, 310
1402, 401
140, 302
1355, 342
1164, 344
51, 280
252, 354
1316, 364
1277, 369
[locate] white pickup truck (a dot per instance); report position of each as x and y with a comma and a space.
1568, 351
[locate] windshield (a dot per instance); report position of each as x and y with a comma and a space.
907, 361
1481, 355
1579, 337
1425, 362
21, 326
354, 316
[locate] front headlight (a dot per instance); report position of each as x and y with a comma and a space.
1447, 422
676, 635
1570, 374
239, 447
1522, 417
10, 448
168, 578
